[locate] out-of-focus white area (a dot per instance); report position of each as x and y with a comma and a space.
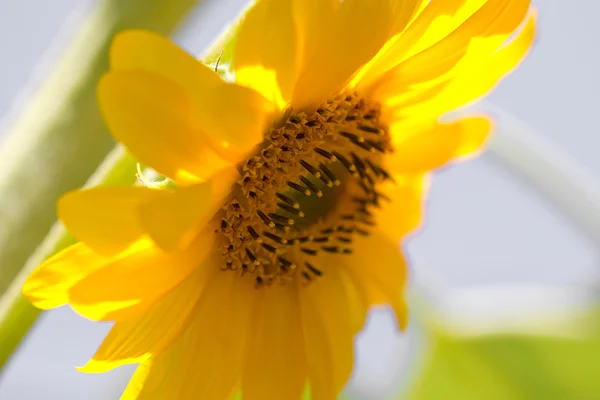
484, 226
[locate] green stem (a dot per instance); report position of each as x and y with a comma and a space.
59, 138
16, 313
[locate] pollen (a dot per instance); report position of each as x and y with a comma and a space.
309, 191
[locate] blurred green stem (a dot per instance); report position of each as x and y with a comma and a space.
59, 139
16, 313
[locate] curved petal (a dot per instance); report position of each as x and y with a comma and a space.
173, 220
205, 363
432, 23
135, 280
403, 213
382, 273
429, 146
138, 338
482, 34
156, 120
144, 50
476, 79
265, 53
357, 32
105, 217
276, 363
231, 117
234, 119
328, 328
47, 286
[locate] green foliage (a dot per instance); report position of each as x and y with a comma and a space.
510, 367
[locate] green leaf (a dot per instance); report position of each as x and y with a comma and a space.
510, 366
59, 139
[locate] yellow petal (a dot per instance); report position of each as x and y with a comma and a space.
381, 273
276, 361
313, 23
138, 338
429, 146
48, 284
169, 220
483, 33
358, 31
265, 54
231, 117
403, 12
328, 330
205, 362
403, 213
148, 51
433, 22
155, 119
173, 220
105, 217
136, 280
234, 119
464, 88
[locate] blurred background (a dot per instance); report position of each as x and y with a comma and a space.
498, 262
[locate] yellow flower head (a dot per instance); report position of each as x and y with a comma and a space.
293, 185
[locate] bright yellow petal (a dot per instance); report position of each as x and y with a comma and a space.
380, 268
313, 23
265, 54
136, 280
148, 51
173, 220
276, 361
155, 119
138, 338
429, 146
482, 34
403, 12
357, 32
465, 88
403, 212
434, 22
205, 363
169, 220
234, 119
48, 284
328, 333
105, 217
231, 117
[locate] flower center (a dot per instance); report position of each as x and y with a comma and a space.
311, 189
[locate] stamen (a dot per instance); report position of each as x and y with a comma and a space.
370, 129
325, 154
291, 210
265, 219
347, 164
310, 169
287, 200
269, 248
298, 188
252, 257
281, 219
311, 186
313, 269
310, 252
275, 238
254, 234
329, 174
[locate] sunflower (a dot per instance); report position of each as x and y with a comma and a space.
291, 185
